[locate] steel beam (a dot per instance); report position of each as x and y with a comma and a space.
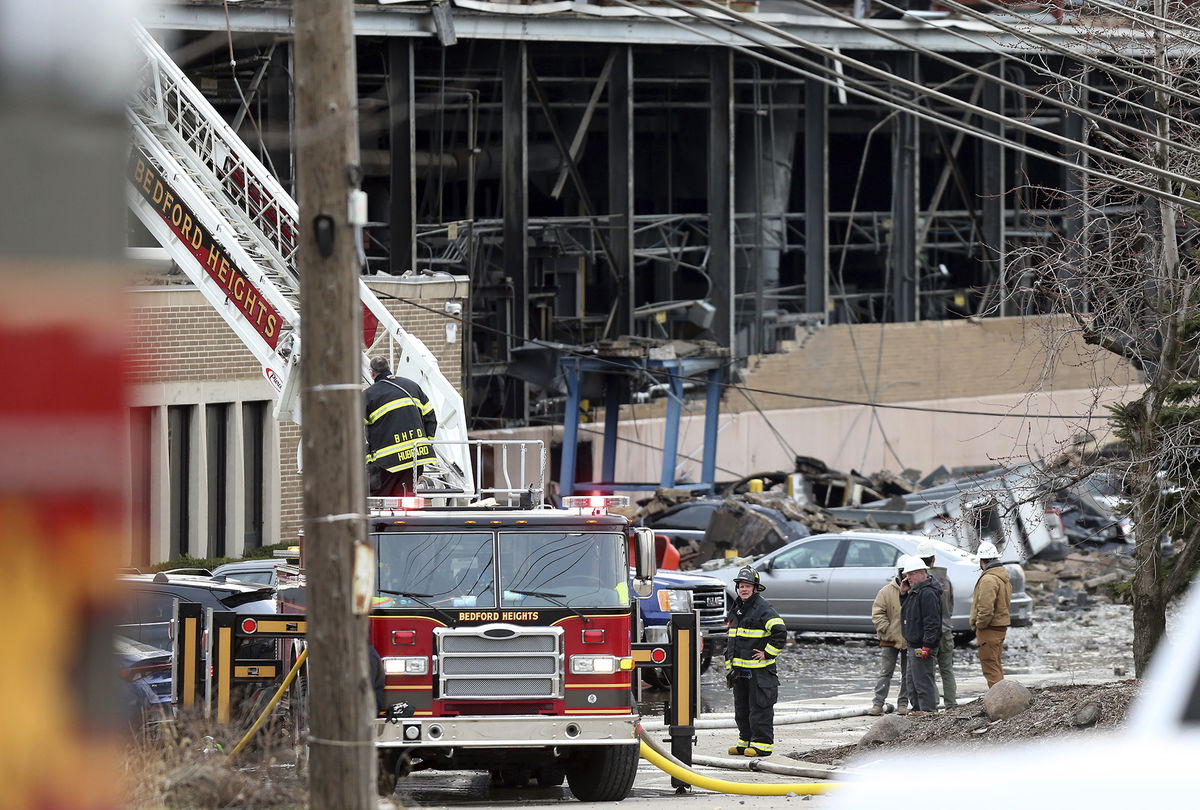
992, 190
906, 162
620, 186
389, 21
816, 197
402, 207
515, 189
720, 195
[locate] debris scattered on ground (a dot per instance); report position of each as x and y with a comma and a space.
1054, 711
1077, 581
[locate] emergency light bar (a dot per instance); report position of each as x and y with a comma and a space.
404, 504
594, 504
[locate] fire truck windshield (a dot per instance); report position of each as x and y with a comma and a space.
578, 569
537, 570
453, 570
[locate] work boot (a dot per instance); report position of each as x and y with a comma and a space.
875, 711
737, 750
901, 710
754, 752
917, 714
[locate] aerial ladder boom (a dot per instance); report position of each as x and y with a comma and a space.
233, 230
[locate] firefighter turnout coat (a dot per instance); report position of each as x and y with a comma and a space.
754, 625
400, 425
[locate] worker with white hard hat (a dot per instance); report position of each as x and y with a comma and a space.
921, 621
927, 551
990, 611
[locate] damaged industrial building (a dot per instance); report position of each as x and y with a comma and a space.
661, 226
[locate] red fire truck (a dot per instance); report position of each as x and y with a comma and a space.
505, 637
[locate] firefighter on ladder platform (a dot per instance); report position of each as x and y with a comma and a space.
756, 637
400, 428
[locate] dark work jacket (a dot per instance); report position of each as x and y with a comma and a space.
921, 614
400, 424
754, 625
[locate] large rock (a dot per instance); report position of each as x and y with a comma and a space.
884, 730
1006, 699
1087, 715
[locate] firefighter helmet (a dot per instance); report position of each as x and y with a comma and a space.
748, 574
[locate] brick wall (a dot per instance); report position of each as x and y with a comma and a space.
183, 348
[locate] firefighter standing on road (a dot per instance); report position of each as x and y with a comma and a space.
756, 636
400, 426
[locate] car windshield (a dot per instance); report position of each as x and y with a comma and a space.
579, 569
445, 570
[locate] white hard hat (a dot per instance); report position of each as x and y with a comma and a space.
925, 549
909, 563
987, 551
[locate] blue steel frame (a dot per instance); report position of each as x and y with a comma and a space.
574, 369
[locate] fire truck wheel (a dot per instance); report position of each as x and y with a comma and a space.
551, 775
602, 773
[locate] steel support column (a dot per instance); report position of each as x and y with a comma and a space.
905, 266
620, 186
816, 197
573, 379
671, 429
515, 189
992, 190
712, 426
279, 115
720, 195
402, 212
612, 416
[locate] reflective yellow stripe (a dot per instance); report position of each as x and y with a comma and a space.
392, 449
402, 402
773, 622
772, 649
408, 465
742, 743
746, 632
762, 746
751, 663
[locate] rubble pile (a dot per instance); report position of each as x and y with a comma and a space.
1053, 711
1080, 580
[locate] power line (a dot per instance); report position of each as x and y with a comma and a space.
736, 386
814, 70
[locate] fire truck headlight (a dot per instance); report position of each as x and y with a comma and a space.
594, 664
672, 600
408, 665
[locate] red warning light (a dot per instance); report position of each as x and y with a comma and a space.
249, 625
658, 655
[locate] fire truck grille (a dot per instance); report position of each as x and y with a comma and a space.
499, 661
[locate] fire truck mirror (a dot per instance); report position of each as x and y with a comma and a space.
643, 581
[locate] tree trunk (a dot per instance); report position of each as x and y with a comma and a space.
1149, 615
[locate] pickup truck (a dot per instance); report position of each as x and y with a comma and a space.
671, 589
1149, 762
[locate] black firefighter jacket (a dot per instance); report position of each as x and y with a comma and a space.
400, 425
754, 625
921, 614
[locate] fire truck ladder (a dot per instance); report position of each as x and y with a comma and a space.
232, 229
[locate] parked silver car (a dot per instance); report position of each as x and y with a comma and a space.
828, 582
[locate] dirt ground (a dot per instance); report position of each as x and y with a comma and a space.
1055, 710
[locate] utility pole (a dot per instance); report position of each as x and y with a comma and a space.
341, 756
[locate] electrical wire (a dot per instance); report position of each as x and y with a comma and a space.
738, 386
1056, 101
813, 70
922, 92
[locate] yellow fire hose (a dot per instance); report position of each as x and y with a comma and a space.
674, 767
262, 717
649, 750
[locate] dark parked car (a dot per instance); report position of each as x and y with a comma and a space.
151, 597
145, 672
710, 526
